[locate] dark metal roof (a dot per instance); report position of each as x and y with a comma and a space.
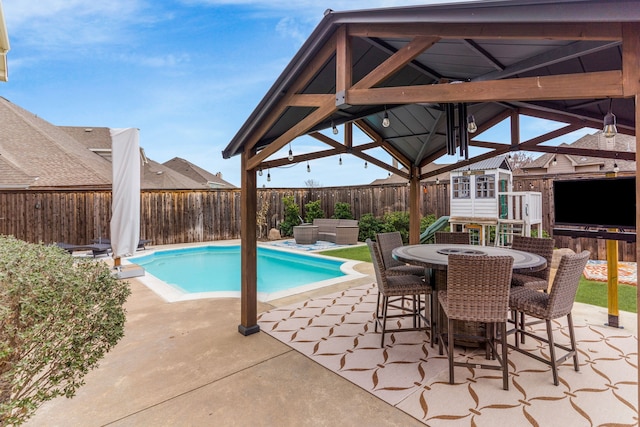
418, 131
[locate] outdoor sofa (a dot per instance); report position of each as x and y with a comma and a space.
338, 231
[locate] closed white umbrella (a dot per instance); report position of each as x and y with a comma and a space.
125, 206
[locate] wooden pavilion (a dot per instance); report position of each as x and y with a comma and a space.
431, 70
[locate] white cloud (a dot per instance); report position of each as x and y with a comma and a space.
54, 24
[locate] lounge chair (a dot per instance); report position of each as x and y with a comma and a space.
141, 243
96, 248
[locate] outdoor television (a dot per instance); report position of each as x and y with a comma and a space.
596, 203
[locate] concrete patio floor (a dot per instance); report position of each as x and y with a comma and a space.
185, 364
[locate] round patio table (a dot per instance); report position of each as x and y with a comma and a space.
435, 259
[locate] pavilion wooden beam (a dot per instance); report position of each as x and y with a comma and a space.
396, 62
344, 65
601, 31
567, 86
300, 128
366, 129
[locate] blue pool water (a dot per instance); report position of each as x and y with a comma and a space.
217, 268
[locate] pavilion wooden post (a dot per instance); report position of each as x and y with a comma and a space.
248, 251
612, 284
414, 206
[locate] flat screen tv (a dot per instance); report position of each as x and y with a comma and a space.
597, 203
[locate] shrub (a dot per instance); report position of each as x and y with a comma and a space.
342, 210
291, 216
397, 221
58, 317
313, 211
368, 227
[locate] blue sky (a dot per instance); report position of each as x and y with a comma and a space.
187, 73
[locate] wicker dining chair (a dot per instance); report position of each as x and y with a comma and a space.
537, 280
554, 305
387, 242
400, 286
453, 237
477, 291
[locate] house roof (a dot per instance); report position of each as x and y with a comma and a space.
40, 150
155, 176
36, 154
197, 174
621, 143
404, 61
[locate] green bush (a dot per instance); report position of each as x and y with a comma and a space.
342, 210
59, 316
397, 221
291, 216
313, 211
369, 226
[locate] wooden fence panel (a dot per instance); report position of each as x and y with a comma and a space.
205, 215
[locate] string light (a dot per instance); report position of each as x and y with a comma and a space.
609, 130
268, 176
260, 172
290, 154
366, 164
472, 127
340, 160
385, 120
334, 128
308, 167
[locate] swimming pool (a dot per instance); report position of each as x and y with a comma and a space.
214, 271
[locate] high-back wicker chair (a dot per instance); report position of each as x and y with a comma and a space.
478, 291
453, 237
538, 280
400, 286
557, 303
387, 242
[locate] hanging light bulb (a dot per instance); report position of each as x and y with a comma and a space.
290, 154
260, 172
609, 130
366, 164
554, 162
340, 160
437, 180
268, 176
472, 127
334, 128
385, 120
308, 167
616, 169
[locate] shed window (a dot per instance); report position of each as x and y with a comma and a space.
485, 186
461, 187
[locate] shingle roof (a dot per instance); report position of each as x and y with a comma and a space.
593, 141
37, 154
39, 149
155, 176
196, 173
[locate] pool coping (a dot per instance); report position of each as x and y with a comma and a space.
171, 293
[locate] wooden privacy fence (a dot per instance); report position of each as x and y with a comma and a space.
182, 216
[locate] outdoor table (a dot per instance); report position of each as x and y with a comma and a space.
435, 259
305, 234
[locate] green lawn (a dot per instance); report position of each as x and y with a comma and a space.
589, 292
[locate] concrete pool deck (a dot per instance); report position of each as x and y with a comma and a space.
185, 364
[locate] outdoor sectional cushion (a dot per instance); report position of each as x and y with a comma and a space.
340, 231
